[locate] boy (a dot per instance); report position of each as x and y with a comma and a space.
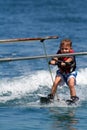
66, 71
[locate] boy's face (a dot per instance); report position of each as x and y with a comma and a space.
65, 49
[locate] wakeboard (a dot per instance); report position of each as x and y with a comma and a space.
46, 100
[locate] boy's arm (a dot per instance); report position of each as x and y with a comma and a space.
68, 62
53, 61
70, 59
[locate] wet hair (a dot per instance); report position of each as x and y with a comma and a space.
66, 42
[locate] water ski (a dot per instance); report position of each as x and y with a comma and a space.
71, 102
46, 100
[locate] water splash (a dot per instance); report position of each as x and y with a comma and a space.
26, 88
82, 77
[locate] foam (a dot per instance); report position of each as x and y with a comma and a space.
38, 81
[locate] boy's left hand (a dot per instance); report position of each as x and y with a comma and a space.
63, 64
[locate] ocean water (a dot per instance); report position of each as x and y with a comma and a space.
22, 81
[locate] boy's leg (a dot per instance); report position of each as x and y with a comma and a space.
71, 84
55, 84
54, 87
50, 96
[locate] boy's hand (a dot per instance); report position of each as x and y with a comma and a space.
60, 63
52, 62
63, 64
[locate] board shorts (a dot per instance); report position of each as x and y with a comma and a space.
65, 77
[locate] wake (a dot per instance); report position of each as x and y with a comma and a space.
25, 89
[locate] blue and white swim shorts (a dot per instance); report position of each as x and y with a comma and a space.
65, 77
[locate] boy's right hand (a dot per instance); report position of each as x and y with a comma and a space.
52, 62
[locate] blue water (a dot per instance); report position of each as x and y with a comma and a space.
22, 81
